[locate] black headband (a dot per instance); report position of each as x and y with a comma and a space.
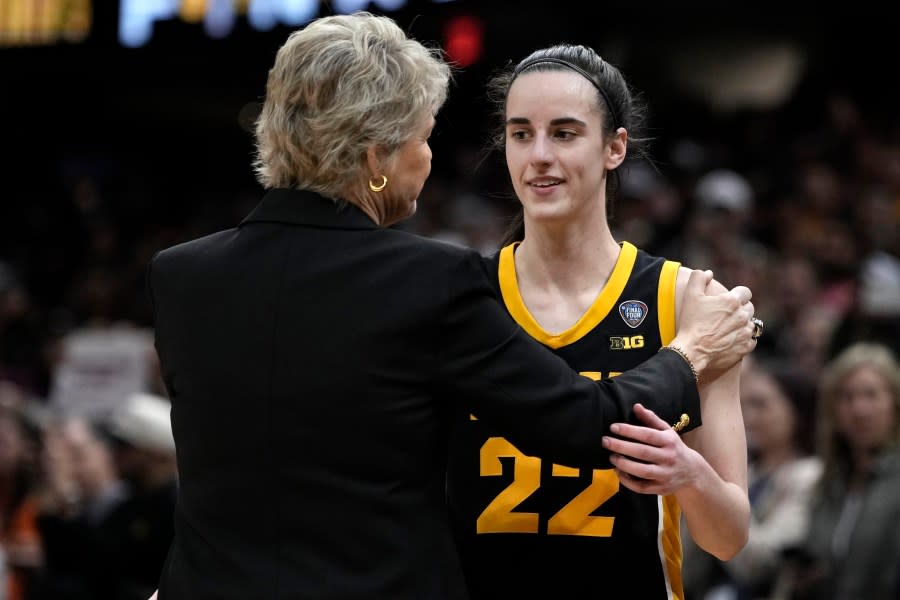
577, 69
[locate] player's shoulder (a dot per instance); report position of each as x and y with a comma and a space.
684, 274
643, 258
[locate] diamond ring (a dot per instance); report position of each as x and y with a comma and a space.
758, 327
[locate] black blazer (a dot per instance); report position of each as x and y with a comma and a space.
311, 359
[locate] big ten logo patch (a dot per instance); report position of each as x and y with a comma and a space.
619, 342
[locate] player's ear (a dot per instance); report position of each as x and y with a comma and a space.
616, 149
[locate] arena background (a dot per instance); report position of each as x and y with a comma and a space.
776, 146
113, 152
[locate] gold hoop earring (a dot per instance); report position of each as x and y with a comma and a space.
378, 187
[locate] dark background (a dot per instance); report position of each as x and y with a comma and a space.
171, 110
112, 152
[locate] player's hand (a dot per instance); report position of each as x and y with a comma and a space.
650, 458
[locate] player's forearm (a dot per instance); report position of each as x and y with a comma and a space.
717, 513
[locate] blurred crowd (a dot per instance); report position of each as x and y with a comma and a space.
802, 207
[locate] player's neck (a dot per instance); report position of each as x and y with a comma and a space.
573, 256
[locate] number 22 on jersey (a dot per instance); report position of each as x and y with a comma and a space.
572, 519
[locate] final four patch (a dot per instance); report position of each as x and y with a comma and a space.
633, 312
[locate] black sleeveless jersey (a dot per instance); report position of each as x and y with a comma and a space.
530, 528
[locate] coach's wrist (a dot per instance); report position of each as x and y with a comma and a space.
692, 352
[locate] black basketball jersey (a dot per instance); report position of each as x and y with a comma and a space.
529, 528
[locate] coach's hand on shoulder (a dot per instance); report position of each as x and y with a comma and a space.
714, 327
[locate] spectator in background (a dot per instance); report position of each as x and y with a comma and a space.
816, 203
717, 235
874, 314
802, 320
135, 536
79, 489
650, 209
101, 361
107, 503
20, 353
778, 407
20, 543
853, 545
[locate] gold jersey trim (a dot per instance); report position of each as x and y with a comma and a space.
665, 301
670, 545
606, 299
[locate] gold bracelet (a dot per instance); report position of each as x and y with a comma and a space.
681, 353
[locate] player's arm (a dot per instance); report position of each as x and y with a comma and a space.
716, 508
715, 505
706, 469
703, 471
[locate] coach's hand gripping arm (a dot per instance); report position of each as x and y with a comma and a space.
714, 330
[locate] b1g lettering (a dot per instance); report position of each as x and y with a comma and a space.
626, 342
